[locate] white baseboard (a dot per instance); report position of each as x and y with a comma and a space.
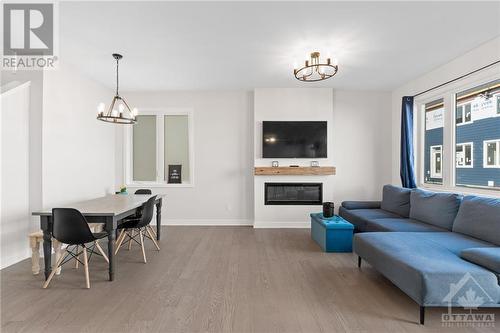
281, 224
207, 222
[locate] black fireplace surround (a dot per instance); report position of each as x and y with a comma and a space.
293, 193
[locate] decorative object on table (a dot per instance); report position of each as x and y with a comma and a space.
328, 208
275, 164
174, 173
314, 164
118, 111
333, 234
314, 70
123, 190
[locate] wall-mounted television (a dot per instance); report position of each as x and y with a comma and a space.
294, 139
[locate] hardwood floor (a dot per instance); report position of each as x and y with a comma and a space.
216, 279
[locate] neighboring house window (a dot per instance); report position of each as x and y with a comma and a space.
436, 162
498, 104
160, 149
433, 141
464, 155
491, 154
463, 114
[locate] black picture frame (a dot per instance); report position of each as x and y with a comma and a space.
174, 173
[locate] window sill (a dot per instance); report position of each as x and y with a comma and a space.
159, 185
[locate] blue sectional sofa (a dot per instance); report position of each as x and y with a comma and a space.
429, 244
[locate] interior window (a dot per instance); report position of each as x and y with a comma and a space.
144, 149
477, 133
433, 141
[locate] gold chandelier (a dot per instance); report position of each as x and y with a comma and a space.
122, 115
314, 70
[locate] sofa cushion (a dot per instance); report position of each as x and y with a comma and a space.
487, 257
479, 217
396, 200
360, 217
400, 224
438, 209
423, 268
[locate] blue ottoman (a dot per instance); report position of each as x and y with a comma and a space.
333, 234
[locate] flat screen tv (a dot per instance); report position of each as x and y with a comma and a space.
294, 139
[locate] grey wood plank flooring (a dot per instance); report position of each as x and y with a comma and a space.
216, 279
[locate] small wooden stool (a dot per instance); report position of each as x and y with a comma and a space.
36, 238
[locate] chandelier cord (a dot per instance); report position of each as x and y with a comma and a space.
117, 60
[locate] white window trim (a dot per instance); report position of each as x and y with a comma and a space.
433, 174
485, 154
128, 148
471, 144
448, 93
463, 114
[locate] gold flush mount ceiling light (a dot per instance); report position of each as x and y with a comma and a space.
314, 70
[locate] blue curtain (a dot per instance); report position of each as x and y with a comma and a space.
407, 167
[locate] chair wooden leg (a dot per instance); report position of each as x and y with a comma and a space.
99, 248
46, 284
153, 231
57, 250
35, 255
132, 233
86, 267
153, 238
142, 246
119, 237
77, 257
120, 241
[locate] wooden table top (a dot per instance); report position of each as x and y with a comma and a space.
110, 205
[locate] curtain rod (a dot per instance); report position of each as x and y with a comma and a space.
456, 79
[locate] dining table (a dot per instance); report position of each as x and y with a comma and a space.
108, 210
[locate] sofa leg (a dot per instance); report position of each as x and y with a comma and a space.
359, 262
422, 315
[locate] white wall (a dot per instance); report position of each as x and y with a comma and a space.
279, 104
359, 139
78, 150
223, 136
361, 144
14, 197
472, 60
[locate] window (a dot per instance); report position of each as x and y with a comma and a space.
436, 162
463, 114
492, 154
159, 149
460, 150
433, 141
464, 155
480, 128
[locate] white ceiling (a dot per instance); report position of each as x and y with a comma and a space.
244, 45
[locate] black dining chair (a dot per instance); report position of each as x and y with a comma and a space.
143, 191
71, 227
139, 211
138, 227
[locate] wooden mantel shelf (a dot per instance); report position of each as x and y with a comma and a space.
295, 171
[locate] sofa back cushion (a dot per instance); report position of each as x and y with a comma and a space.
396, 200
479, 217
438, 209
